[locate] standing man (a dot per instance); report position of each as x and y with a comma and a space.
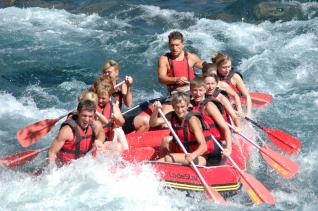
77, 135
175, 69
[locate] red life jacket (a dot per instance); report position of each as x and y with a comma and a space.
178, 69
118, 96
107, 111
181, 127
228, 78
218, 104
80, 144
209, 121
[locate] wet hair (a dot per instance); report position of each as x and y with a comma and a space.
175, 35
86, 105
197, 82
105, 87
208, 68
105, 79
220, 58
213, 75
110, 63
88, 95
178, 97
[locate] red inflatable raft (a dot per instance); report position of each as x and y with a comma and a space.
221, 175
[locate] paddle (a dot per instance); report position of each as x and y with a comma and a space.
255, 189
284, 166
210, 192
282, 140
35, 131
20, 158
259, 99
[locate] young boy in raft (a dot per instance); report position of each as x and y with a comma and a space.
191, 130
112, 119
210, 113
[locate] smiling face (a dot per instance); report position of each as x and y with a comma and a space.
198, 93
181, 109
176, 47
225, 68
211, 84
103, 99
112, 72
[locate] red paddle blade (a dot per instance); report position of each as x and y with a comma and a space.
284, 166
19, 159
256, 190
32, 133
212, 195
284, 141
259, 99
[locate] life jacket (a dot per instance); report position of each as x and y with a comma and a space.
107, 111
80, 144
228, 78
181, 127
218, 104
118, 97
178, 69
200, 108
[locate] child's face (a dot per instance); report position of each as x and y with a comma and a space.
210, 85
198, 93
103, 99
225, 68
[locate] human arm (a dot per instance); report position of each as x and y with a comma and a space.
154, 119
232, 93
163, 77
100, 135
229, 109
64, 134
214, 112
117, 116
126, 91
241, 86
195, 60
196, 128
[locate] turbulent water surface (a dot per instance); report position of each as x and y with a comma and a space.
48, 55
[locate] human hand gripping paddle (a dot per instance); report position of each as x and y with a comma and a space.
282, 165
284, 141
210, 192
34, 132
255, 189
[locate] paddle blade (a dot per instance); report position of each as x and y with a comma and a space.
283, 141
256, 190
19, 159
284, 166
259, 99
33, 132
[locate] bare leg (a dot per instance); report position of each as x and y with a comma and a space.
120, 138
141, 122
180, 158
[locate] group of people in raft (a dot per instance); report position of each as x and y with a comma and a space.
197, 108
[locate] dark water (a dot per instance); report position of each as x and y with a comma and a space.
49, 55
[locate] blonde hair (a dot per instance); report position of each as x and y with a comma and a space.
105, 79
178, 97
88, 95
110, 63
197, 82
220, 58
105, 87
